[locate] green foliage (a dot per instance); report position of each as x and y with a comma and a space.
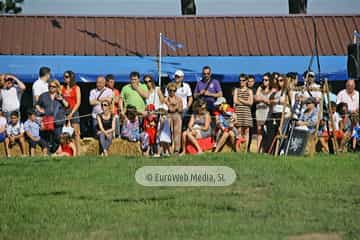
11, 6
98, 198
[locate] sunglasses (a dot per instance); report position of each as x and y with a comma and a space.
243, 80
148, 81
205, 73
52, 86
66, 76
265, 79
172, 90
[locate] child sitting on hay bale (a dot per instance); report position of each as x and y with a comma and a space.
130, 125
67, 147
15, 134
32, 130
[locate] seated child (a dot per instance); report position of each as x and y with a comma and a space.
148, 136
15, 134
225, 129
164, 133
32, 130
3, 125
67, 147
130, 125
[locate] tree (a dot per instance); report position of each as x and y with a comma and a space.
10, 6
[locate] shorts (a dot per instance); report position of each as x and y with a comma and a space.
75, 118
41, 142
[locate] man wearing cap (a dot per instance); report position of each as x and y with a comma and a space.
208, 88
311, 88
183, 91
308, 118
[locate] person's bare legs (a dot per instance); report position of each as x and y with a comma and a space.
187, 136
32, 151
22, 145
76, 127
45, 152
259, 136
246, 134
238, 142
222, 141
232, 140
7, 149
324, 145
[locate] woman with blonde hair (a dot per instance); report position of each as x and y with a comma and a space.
175, 109
52, 107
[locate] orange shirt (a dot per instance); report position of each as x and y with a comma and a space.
70, 96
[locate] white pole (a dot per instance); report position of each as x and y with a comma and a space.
160, 46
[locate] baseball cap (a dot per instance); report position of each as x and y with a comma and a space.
179, 73
310, 100
219, 100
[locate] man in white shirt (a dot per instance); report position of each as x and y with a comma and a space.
183, 91
98, 95
350, 96
10, 95
40, 86
310, 86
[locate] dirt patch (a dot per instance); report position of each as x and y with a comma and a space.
317, 236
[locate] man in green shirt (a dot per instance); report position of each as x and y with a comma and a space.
135, 93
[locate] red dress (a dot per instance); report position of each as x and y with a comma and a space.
66, 148
150, 128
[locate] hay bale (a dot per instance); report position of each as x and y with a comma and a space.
90, 147
15, 150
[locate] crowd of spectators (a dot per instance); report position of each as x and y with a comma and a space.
172, 120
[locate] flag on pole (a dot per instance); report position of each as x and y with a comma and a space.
171, 43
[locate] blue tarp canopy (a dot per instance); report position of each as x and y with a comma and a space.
226, 69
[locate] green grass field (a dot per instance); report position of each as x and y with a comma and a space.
98, 198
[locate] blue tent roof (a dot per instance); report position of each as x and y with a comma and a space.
226, 69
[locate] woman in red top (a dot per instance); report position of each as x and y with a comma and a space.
72, 94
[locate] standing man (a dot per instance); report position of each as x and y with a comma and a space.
183, 91
253, 129
40, 86
97, 96
208, 88
10, 95
135, 93
350, 96
117, 103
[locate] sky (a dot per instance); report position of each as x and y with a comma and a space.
173, 7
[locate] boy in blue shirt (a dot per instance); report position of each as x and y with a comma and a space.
32, 130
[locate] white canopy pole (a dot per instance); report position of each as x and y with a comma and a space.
160, 46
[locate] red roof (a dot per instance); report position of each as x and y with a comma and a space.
202, 36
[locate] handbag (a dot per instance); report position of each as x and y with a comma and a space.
67, 128
48, 123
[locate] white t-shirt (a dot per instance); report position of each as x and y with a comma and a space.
15, 130
3, 122
154, 99
352, 101
39, 87
94, 94
184, 91
315, 94
10, 99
